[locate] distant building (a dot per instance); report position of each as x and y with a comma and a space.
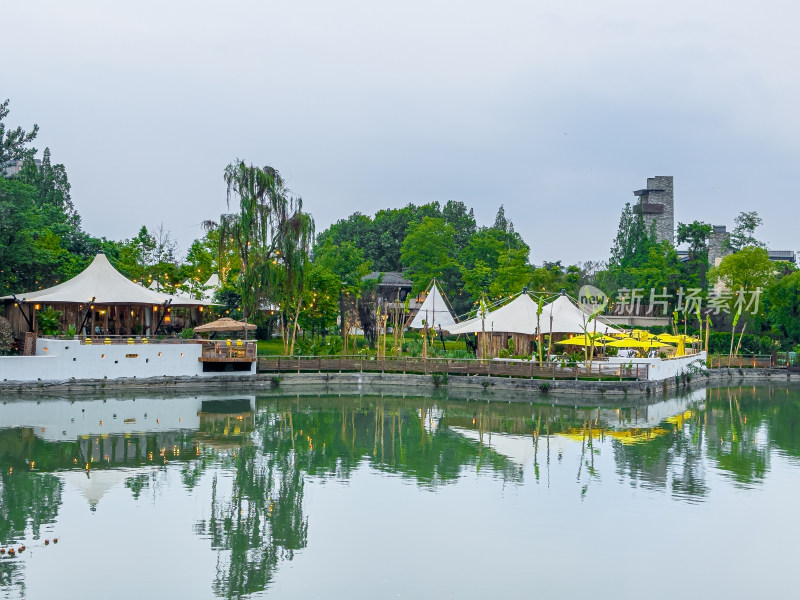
390, 285
657, 206
774, 256
13, 167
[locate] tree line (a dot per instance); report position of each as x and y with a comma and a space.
272, 263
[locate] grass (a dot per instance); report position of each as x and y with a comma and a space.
274, 347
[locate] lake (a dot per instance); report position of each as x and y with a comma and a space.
358, 495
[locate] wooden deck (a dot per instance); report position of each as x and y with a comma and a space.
223, 352
494, 368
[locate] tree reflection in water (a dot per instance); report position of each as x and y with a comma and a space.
256, 515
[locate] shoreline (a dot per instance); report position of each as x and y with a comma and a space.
483, 387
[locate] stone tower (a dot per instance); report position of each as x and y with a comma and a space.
716, 245
657, 205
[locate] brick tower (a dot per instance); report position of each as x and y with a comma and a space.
657, 205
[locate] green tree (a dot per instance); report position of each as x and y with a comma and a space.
782, 301
696, 234
463, 222
742, 235
14, 142
345, 260
747, 269
631, 249
321, 306
513, 273
660, 270
269, 231
428, 252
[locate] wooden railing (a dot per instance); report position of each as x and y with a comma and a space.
236, 349
452, 366
745, 361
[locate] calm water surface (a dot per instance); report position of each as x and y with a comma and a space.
365, 496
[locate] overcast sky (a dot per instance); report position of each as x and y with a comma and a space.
556, 109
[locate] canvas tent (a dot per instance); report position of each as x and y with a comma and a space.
434, 312
516, 321
107, 296
567, 317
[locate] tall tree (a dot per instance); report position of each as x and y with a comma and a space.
14, 142
347, 262
269, 231
742, 235
747, 269
428, 252
462, 220
696, 234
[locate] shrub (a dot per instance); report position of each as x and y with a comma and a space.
48, 321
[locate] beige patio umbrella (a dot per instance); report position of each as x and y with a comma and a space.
224, 324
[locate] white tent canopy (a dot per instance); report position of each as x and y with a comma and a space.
434, 311
519, 316
101, 283
569, 318
210, 287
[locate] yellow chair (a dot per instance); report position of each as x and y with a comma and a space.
144, 340
88, 341
130, 340
107, 341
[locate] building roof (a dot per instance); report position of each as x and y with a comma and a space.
390, 279
101, 283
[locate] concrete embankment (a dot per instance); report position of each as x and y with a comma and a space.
478, 387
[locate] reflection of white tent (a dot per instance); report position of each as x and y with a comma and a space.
434, 311
569, 318
94, 484
518, 448
518, 316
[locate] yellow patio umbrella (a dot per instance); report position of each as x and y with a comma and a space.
681, 340
633, 343
586, 340
674, 339
640, 334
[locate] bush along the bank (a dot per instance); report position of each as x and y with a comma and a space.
720, 343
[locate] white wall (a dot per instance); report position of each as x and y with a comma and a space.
661, 369
60, 360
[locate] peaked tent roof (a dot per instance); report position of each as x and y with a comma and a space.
569, 318
433, 311
210, 287
101, 281
518, 316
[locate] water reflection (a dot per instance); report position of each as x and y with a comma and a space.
251, 458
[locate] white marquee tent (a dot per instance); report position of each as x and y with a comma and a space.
434, 312
569, 318
102, 284
519, 316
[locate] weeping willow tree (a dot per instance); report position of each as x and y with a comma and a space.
267, 229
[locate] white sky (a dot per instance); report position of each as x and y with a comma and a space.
557, 109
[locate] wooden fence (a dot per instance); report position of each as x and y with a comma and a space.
746, 361
451, 366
